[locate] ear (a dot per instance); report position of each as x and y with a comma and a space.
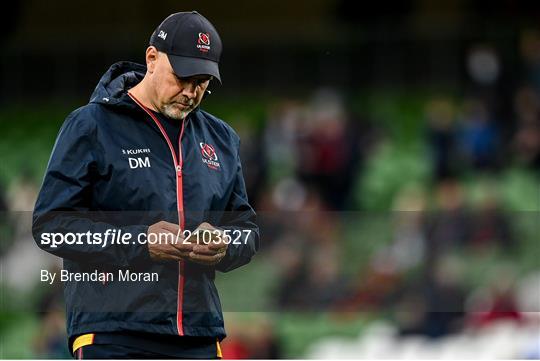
151, 58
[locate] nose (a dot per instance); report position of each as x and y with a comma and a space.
189, 89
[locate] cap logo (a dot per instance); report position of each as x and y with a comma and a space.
204, 38
203, 43
162, 34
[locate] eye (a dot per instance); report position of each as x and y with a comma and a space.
202, 81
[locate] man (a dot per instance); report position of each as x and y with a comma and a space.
143, 160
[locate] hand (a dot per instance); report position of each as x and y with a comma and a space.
166, 242
210, 247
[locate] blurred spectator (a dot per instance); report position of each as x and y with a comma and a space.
490, 225
22, 197
50, 338
376, 285
289, 195
483, 64
409, 212
446, 299
435, 306
310, 272
478, 137
307, 252
23, 192
495, 302
5, 224
254, 161
313, 146
282, 128
236, 345
253, 338
526, 142
267, 344
3, 202
328, 150
440, 114
530, 52
373, 287
325, 282
293, 272
448, 226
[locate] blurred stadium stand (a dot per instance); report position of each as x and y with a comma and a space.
392, 151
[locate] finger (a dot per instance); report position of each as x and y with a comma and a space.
168, 253
214, 244
183, 252
201, 236
192, 237
171, 227
203, 250
217, 246
182, 246
205, 258
166, 237
206, 225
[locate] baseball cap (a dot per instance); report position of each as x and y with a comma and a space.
191, 43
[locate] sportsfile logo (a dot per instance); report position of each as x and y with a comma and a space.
209, 156
203, 43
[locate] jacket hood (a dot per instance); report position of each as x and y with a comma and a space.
114, 84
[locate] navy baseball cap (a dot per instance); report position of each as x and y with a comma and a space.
191, 43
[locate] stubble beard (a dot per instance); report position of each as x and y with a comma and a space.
174, 113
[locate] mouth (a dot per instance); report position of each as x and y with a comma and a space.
182, 105
185, 105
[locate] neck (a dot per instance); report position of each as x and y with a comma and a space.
140, 92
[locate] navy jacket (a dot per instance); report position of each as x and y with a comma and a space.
112, 168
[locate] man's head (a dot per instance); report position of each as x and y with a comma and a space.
182, 57
168, 93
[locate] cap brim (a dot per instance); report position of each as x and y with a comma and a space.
187, 66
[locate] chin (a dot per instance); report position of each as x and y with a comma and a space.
175, 114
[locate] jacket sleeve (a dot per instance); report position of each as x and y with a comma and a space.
64, 203
239, 217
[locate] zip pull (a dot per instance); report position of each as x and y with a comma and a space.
179, 170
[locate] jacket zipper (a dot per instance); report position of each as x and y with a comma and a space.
178, 163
